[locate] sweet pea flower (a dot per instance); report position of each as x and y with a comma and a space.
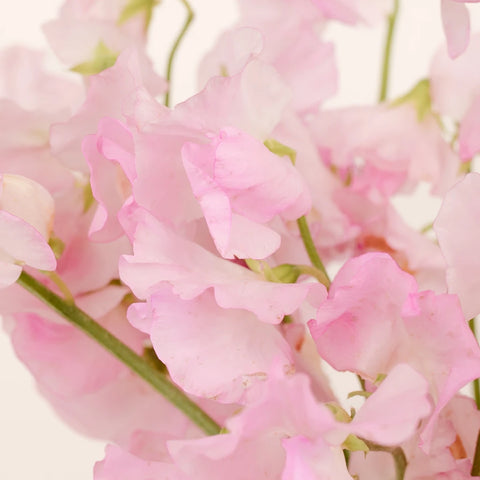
271, 439
241, 186
457, 235
161, 255
26, 217
425, 330
284, 35
112, 93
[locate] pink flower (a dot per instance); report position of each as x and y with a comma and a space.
241, 186
426, 331
456, 229
456, 25
26, 218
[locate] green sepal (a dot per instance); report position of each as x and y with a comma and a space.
280, 149
339, 413
137, 7
354, 444
285, 273
359, 393
88, 198
102, 59
254, 265
151, 357
57, 245
420, 96
380, 378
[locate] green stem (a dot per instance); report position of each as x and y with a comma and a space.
392, 18
310, 248
320, 275
475, 472
476, 382
124, 353
398, 457
175, 46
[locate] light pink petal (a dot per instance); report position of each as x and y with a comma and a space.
163, 256
9, 273
469, 133
313, 459
119, 464
347, 325
455, 83
252, 101
24, 244
392, 413
456, 25
112, 93
194, 339
458, 235
110, 157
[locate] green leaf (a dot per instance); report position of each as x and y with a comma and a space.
280, 149
355, 444
419, 95
137, 7
102, 59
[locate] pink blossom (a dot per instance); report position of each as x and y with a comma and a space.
241, 186
426, 331
160, 256
455, 227
26, 217
191, 338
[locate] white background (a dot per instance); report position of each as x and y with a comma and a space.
34, 444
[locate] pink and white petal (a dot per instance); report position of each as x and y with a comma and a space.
251, 240
469, 133
24, 244
194, 338
392, 413
347, 325
311, 460
163, 256
458, 236
456, 25
234, 49
28, 200
120, 464
9, 273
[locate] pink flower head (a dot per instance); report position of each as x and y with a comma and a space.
426, 331
456, 227
26, 218
241, 186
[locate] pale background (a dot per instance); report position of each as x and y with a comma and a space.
34, 444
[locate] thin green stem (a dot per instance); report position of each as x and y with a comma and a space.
398, 455
315, 273
310, 248
475, 472
175, 46
476, 382
392, 19
126, 355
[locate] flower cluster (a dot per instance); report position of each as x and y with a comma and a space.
196, 245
